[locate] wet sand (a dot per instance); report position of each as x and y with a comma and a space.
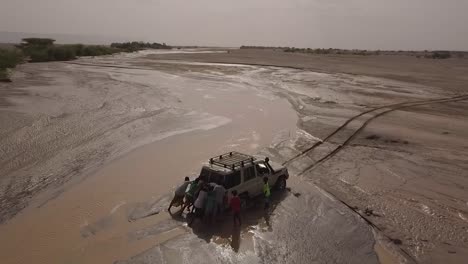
406, 167
190, 111
449, 74
204, 125
117, 213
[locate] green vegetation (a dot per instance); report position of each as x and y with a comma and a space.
441, 55
37, 49
438, 54
136, 46
41, 50
9, 58
45, 49
38, 41
263, 47
333, 51
92, 50
317, 51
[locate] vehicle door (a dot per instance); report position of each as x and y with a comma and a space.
249, 178
233, 182
263, 171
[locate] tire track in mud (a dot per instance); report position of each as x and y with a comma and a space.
390, 108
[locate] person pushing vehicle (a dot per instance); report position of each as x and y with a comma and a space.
266, 192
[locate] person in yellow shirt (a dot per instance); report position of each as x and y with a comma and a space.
266, 192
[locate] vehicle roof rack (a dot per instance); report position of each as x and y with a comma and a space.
232, 160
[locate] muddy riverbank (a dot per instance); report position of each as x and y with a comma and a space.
407, 167
91, 115
70, 119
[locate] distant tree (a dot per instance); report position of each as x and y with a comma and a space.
61, 53
9, 58
136, 46
78, 48
37, 42
36, 48
441, 55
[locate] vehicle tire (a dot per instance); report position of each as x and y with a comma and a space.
281, 184
244, 197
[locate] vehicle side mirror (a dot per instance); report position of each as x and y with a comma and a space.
267, 159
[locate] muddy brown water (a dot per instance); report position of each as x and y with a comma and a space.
88, 223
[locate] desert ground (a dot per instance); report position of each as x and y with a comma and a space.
376, 147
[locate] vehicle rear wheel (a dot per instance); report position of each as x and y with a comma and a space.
281, 184
244, 197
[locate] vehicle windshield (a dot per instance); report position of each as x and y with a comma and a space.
262, 169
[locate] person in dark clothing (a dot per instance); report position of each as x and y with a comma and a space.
266, 192
199, 205
191, 194
235, 205
210, 205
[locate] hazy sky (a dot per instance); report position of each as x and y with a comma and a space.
368, 24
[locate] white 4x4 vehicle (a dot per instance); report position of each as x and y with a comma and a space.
244, 173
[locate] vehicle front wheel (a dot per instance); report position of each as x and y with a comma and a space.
244, 200
281, 184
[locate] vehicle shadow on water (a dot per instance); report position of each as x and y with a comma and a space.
223, 231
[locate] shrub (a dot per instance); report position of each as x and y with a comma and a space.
4, 76
441, 55
61, 53
9, 58
78, 49
136, 46
36, 48
98, 50
38, 42
37, 54
65, 52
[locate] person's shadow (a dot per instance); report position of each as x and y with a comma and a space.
266, 216
235, 238
224, 227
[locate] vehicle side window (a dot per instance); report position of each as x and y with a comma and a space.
205, 174
262, 169
249, 173
232, 180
